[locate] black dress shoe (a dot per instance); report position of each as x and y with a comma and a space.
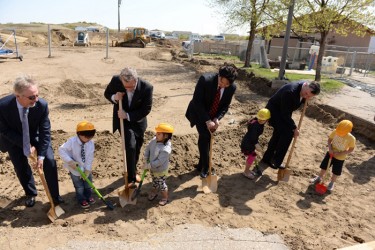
30, 201
58, 200
203, 175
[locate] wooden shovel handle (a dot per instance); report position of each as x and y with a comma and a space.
295, 138
122, 130
210, 157
34, 159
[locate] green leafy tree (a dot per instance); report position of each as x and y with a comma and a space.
251, 13
339, 16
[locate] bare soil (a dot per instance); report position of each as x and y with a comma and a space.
73, 82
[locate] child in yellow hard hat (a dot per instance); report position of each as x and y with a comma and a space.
250, 143
340, 143
78, 151
157, 155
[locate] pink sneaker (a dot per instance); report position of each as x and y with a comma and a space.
91, 201
84, 204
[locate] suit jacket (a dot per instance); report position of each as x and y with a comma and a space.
282, 104
139, 108
11, 126
203, 97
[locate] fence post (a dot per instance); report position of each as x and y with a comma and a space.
49, 42
106, 52
353, 61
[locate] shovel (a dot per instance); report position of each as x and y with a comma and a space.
209, 184
138, 190
55, 211
109, 204
284, 173
320, 188
126, 193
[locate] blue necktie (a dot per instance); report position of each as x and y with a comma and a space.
83, 155
25, 132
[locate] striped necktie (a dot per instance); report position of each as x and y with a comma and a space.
83, 155
215, 104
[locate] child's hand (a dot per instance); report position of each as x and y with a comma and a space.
147, 166
258, 147
87, 173
72, 165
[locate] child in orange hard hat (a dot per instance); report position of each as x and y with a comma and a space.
250, 141
340, 143
157, 155
79, 151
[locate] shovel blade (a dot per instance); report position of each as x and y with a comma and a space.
125, 197
55, 212
283, 174
209, 184
320, 188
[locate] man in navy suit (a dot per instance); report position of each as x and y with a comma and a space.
281, 105
26, 96
136, 96
202, 113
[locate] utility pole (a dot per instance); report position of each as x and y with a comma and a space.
286, 40
119, 3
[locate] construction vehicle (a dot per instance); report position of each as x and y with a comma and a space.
82, 39
135, 38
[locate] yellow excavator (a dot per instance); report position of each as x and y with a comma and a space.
134, 37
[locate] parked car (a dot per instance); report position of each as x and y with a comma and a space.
219, 38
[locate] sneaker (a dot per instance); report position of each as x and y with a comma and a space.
315, 180
91, 201
84, 204
257, 171
331, 186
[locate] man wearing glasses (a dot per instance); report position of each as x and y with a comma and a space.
136, 96
25, 129
211, 99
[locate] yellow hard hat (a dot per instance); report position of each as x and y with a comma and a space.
85, 126
264, 114
164, 128
344, 127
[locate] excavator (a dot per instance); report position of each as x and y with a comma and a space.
135, 38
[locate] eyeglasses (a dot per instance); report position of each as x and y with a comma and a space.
32, 97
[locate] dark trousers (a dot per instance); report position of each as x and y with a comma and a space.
278, 145
25, 174
133, 145
203, 146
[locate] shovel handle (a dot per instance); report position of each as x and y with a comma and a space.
88, 182
295, 138
33, 159
122, 132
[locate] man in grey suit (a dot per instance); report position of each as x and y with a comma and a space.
23, 104
136, 96
211, 99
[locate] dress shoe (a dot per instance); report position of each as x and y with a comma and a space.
203, 175
30, 201
58, 200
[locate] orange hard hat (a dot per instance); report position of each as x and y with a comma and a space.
344, 127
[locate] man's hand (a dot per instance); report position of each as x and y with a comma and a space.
211, 125
119, 96
122, 114
296, 132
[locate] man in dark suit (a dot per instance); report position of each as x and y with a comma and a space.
136, 96
12, 140
281, 105
211, 99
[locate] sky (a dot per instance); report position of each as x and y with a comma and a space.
167, 15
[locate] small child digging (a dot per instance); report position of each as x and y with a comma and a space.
340, 143
157, 155
79, 151
249, 142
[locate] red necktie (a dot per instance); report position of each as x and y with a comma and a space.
215, 104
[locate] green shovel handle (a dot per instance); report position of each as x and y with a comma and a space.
88, 182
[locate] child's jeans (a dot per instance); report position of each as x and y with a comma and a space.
83, 190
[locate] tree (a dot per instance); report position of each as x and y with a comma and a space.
340, 16
238, 13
